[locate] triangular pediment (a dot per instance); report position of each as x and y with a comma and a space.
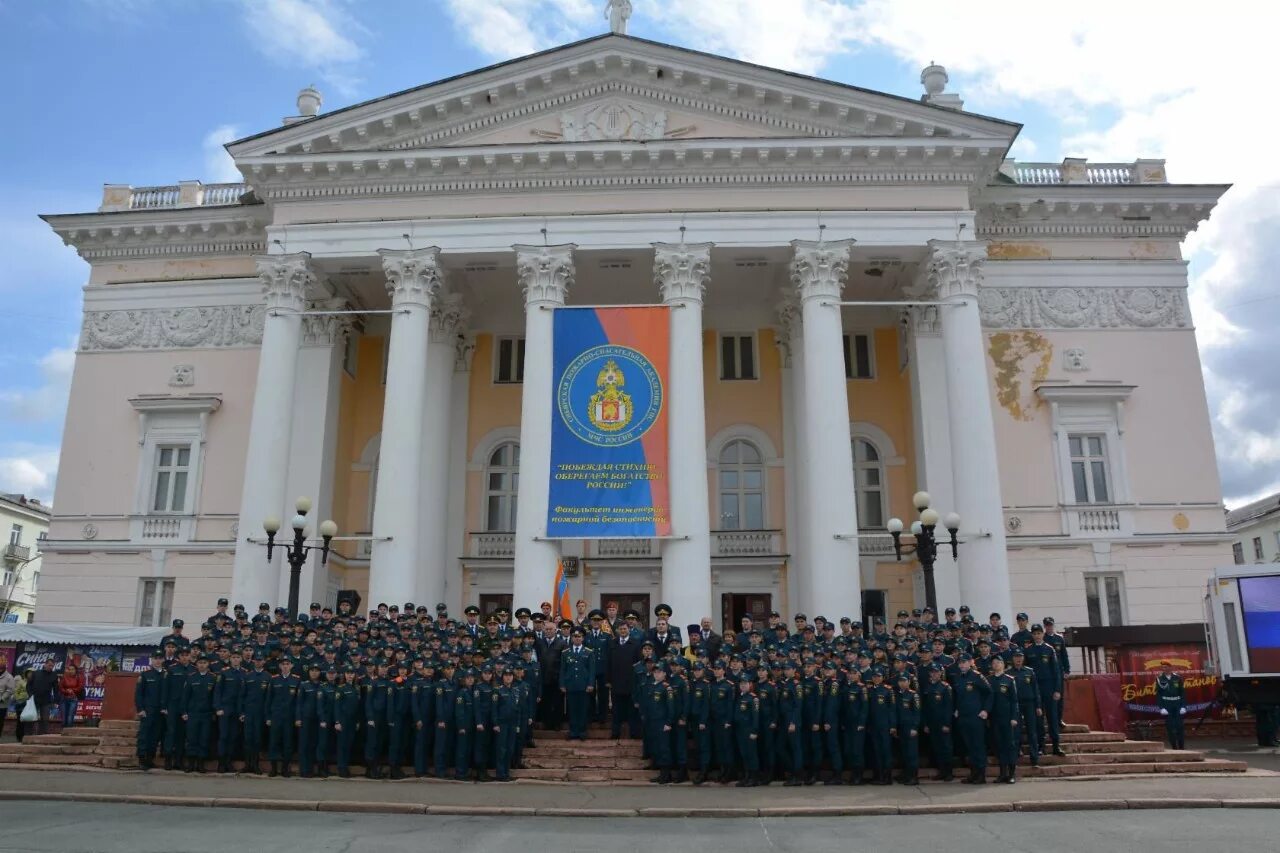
619, 89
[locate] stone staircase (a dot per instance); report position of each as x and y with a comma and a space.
601, 759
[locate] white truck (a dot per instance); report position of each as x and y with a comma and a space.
1242, 624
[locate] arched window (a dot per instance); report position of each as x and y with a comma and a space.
741, 487
868, 484
502, 483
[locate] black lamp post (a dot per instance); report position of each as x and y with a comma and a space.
926, 544
297, 551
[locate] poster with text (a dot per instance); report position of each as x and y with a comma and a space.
609, 424
1139, 666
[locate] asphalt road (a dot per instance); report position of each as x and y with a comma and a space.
34, 827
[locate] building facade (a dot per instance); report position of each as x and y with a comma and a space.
1255, 531
874, 300
26, 523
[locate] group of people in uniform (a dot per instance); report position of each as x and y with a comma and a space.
810, 701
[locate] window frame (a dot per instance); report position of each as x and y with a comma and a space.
881, 466
510, 496
741, 491
738, 337
849, 348
1100, 580
517, 358
157, 618
1237, 553
1258, 554
157, 469
1098, 409
15, 533
1088, 459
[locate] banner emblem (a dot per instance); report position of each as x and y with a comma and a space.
593, 403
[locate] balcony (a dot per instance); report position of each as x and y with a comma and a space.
1078, 171
15, 553
746, 543
497, 546
624, 548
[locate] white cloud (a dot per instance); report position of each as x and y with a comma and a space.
30, 471
319, 35
46, 402
219, 167
502, 29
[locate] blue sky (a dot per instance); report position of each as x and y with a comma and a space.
146, 91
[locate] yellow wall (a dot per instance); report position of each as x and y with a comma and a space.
885, 401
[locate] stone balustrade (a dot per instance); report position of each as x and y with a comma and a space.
1075, 170
117, 197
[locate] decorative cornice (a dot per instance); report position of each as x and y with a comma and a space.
286, 280
546, 273
681, 271
172, 328
954, 268
414, 276
1084, 308
1094, 210
819, 269
190, 232
205, 404
448, 319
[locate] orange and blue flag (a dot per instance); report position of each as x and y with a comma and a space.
561, 597
609, 475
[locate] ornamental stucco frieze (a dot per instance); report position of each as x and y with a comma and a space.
1084, 308
172, 328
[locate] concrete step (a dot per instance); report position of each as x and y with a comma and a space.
586, 749
25, 748
1074, 728
43, 758
120, 762
1093, 737
1113, 746
116, 750
1122, 758
129, 741
118, 725
594, 763
65, 740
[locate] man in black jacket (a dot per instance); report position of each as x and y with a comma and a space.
43, 687
549, 646
624, 653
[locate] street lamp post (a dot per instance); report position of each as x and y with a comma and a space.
926, 544
297, 551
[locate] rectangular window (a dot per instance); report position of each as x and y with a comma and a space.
857, 357
1237, 551
508, 367
1089, 468
172, 472
155, 602
35, 582
15, 534
1257, 547
738, 357
8, 580
1105, 599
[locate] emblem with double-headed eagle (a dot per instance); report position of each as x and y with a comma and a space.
610, 408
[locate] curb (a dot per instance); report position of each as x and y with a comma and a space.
365, 807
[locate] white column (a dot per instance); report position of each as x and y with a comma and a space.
818, 271
791, 343
448, 317
413, 280
932, 428
285, 282
955, 271
681, 273
314, 445
458, 459
546, 274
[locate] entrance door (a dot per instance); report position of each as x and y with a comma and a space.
637, 601
490, 602
734, 606
873, 607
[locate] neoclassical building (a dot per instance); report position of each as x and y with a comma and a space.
874, 300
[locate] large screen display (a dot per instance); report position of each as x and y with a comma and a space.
1260, 600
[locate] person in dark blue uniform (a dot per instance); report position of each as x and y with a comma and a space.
937, 718
853, 725
445, 690
577, 682
464, 724
811, 715
398, 720
598, 639
423, 709
175, 682
309, 720
1171, 698
907, 729
679, 718
253, 713
228, 701
375, 723
1042, 658
505, 722
1006, 720
746, 731
482, 739
197, 714
881, 721
282, 718
830, 705
346, 719
148, 700
699, 718
790, 724
973, 707
1029, 708
658, 702
722, 696
326, 736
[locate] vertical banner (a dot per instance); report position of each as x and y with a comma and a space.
609, 424
563, 610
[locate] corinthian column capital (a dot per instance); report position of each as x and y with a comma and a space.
286, 280
954, 268
448, 318
414, 276
819, 269
546, 273
681, 271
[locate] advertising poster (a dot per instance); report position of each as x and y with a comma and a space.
1138, 670
609, 477
94, 664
